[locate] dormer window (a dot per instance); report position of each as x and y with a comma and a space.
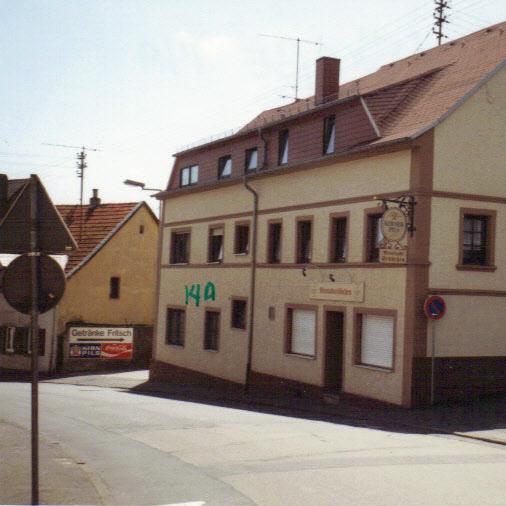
283, 147
189, 175
251, 160
224, 167
329, 135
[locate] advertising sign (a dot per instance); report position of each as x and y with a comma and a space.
349, 292
112, 343
393, 256
394, 224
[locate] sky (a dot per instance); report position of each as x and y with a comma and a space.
139, 80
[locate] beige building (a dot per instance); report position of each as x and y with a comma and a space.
271, 271
110, 285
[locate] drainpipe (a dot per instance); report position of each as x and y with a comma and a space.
252, 284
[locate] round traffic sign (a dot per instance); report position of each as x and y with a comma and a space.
17, 283
434, 307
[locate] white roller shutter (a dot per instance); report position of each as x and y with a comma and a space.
303, 331
377, 345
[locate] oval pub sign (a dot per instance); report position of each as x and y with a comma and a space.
393, 224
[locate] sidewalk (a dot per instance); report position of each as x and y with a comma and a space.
481, 419
62, 480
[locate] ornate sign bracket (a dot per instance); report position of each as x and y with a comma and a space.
407, 204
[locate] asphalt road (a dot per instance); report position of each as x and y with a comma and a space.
108, 446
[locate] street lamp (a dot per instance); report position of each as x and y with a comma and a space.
139, 184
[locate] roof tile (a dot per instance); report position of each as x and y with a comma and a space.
90, 225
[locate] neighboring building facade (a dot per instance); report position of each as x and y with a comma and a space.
110, 285
285, 214
15, 336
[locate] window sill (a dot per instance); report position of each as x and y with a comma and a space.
374, 368
242, 329
179, 263
242, 254
217, 262
479, 268
173, 345
300, 355
212, 351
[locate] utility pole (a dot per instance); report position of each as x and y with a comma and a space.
298, 40
81, 165
440, 18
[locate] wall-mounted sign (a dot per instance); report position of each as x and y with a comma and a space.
394, 224
101, 342
393, 256
347, 292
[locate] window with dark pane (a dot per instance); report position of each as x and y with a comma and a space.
475, 241
211, 330
239, 314
274, 243
241, 245
174, 329
374, 237
180, 250
283, 147
251, 163
304, 242
329, 135
339, 239
114, 283
215, 253
189, 175
224, 167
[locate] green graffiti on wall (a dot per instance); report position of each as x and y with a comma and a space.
193, 292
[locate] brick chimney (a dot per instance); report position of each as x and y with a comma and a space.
327, 79
95, 200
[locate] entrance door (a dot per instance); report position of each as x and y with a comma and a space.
334, 337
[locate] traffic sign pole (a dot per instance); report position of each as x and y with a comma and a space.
433, 364
434, 308
34, 326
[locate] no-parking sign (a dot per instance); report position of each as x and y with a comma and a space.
434, 307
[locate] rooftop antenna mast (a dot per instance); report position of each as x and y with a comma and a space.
440, 19
81, 165
298, 40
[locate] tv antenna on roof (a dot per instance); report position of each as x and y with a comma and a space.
298, 40
440, 19
81, 165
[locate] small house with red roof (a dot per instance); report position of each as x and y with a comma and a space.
279, 267
105, 317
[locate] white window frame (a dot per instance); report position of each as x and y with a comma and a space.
252, 159
9, 339
301, 325
190, 174
376, 340
331, 146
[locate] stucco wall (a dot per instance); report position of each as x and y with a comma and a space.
470, 158
11, 318
470, 147
129, 255
278, 286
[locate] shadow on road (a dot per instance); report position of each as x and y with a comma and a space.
471, 416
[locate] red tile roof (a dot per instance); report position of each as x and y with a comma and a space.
410, 95
97, 223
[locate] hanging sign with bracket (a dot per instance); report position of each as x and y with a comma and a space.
395, 222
